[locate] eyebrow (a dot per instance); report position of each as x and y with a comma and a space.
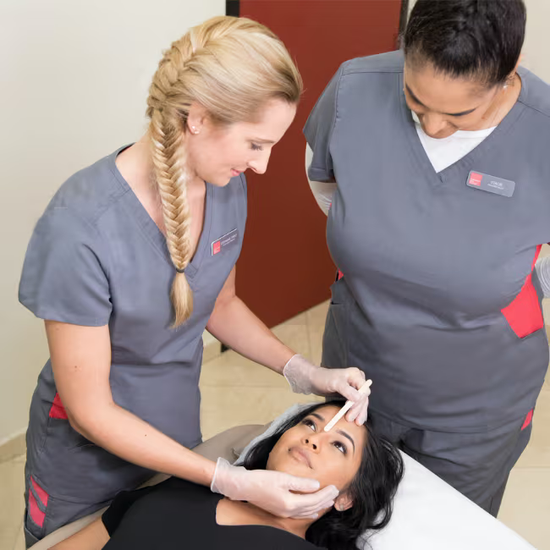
341, 432
266, 141
448, 114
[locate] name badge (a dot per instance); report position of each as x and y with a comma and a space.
491, 184
223, 242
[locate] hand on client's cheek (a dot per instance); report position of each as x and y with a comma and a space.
332, 458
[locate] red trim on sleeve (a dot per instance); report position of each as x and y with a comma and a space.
42, 495
36, 514
58, 410
524, 314
528, 419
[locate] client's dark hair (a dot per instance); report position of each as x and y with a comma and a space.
372, 489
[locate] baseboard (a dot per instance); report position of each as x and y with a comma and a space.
12, 447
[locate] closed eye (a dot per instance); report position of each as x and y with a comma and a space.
256, 147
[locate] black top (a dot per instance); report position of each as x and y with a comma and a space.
182, 515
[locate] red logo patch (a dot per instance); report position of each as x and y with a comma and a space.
216, 247
475, 179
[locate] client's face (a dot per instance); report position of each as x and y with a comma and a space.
306, 450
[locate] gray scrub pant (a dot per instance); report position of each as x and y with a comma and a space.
476, 464
59, 514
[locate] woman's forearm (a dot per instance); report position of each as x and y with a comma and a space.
234, 324
127, 436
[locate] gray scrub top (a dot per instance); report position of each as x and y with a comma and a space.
97, 258
438, 302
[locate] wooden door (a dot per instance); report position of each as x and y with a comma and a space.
285, 267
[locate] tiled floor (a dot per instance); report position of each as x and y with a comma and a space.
235, 392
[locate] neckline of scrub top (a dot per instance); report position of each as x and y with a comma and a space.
459, 134
475, 155
150, 228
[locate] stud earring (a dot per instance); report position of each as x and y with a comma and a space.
194, 130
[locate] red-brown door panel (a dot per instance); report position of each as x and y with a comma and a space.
285, 267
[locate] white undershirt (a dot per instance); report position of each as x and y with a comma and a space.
441, 152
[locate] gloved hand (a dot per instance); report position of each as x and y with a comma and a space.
304, 377
272, 490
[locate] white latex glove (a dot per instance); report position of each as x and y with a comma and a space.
272, 490
304, 377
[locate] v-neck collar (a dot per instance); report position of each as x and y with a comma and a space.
149, 227
470, 159
245, 526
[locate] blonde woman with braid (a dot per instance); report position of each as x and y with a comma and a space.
132, 260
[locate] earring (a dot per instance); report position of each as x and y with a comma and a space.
194, 130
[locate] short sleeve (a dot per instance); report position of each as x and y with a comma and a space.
64, 274
318, 132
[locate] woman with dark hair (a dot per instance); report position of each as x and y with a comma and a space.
179, 514
434, 162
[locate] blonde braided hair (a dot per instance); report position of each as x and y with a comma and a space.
232, 67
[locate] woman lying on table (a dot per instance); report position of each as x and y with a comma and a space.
179, 514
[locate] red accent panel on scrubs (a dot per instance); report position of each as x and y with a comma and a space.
340, 275
58, 410
528, 419
42, 495
36, 514
524, 314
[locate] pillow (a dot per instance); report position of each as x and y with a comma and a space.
428, 513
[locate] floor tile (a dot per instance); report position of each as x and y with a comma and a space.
537, 454
211, 350
231, 369
12, 502
20, 541
12, 448
294, 334
526, 506
316, 318
222, 408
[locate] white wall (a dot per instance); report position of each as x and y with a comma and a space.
73, 83
537, 43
